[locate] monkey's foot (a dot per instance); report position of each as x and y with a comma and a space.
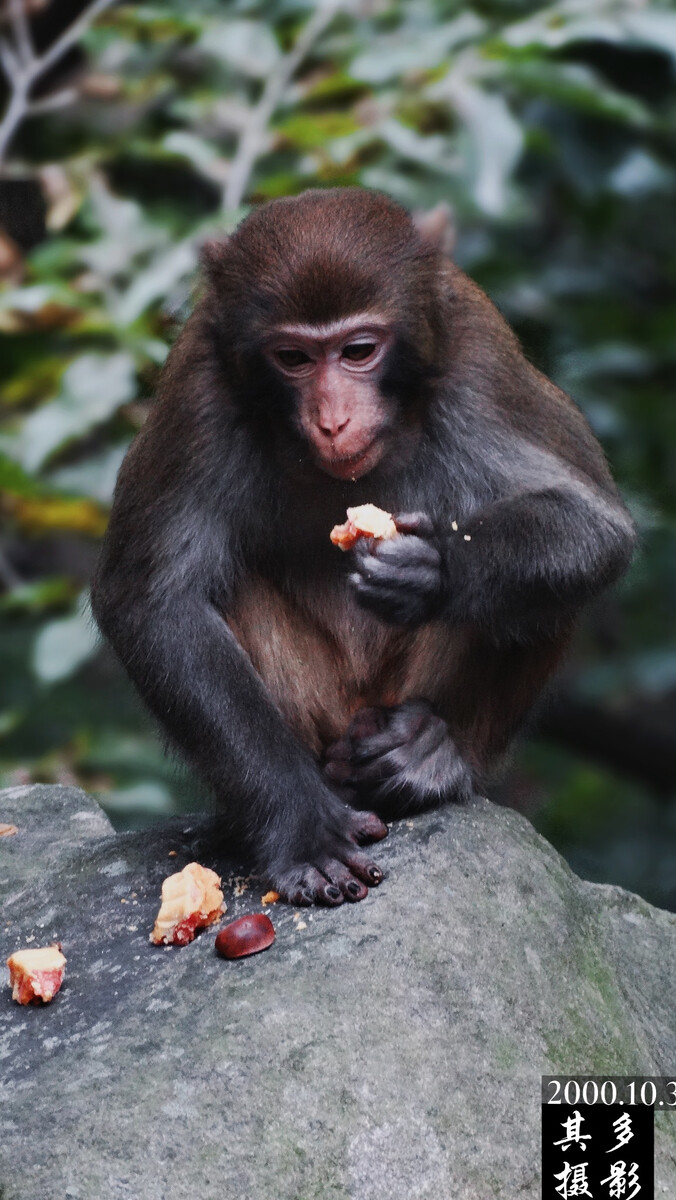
337, 869
401, 760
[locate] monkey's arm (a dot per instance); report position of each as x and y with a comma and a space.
517, 568
167, 567
199, 683
522, 567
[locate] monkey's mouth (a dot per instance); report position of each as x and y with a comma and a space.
354, 466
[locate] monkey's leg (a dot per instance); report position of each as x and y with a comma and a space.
402, 759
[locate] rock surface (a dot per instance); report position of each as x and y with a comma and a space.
390, 1050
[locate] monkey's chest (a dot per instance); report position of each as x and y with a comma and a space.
322, 658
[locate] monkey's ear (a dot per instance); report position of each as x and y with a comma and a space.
213, 254
437, 227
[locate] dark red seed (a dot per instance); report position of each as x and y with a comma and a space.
246, 935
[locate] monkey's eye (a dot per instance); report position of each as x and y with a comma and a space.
359, 351
293, 358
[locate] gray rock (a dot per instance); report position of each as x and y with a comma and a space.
390, 1050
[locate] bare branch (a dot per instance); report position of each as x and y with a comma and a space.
253, 140
8, 59
72, 34
22, 67
21, 31
14, 114
49, 103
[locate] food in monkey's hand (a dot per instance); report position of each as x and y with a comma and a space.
364, 521
191, 900
246, 935
270, 898
36, 975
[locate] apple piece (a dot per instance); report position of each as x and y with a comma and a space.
36, 975
191, 900
366, 520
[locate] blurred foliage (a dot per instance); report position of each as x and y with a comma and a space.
549, 128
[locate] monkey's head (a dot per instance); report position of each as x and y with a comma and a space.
326, 307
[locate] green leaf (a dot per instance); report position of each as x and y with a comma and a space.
197, 150
17, 482
638, 174
10, 719
126, 231
165, 271
34, 379
93, 387
154, 19
432, 151
250, 47
62, 647
27, 299
654, 27
311, 130
578, 87
559, 24
95, 477
496, 138
52, 592
407, 50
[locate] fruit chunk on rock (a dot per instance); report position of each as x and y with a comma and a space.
191, 900
364, 521
246, 935
36, 975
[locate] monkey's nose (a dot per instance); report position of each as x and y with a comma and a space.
332, 426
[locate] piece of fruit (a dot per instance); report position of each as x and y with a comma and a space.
191, 900
36, 975
246, 935
364, 521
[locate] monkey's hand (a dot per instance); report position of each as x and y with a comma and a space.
399, 760
400, 579
326, 865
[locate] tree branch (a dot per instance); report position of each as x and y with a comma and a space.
21, 31
638, 742
52, 102
23, 67
253, 140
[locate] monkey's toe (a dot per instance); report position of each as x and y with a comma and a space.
363, 867
367, 827
340, 875
303, 885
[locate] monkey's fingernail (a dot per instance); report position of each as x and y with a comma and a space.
353, 888
375, 874
333, 892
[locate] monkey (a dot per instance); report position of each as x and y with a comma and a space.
336, 356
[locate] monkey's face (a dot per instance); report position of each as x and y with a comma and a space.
335, 371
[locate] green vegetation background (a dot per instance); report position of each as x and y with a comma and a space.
548, 128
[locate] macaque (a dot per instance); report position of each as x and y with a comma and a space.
337, 358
